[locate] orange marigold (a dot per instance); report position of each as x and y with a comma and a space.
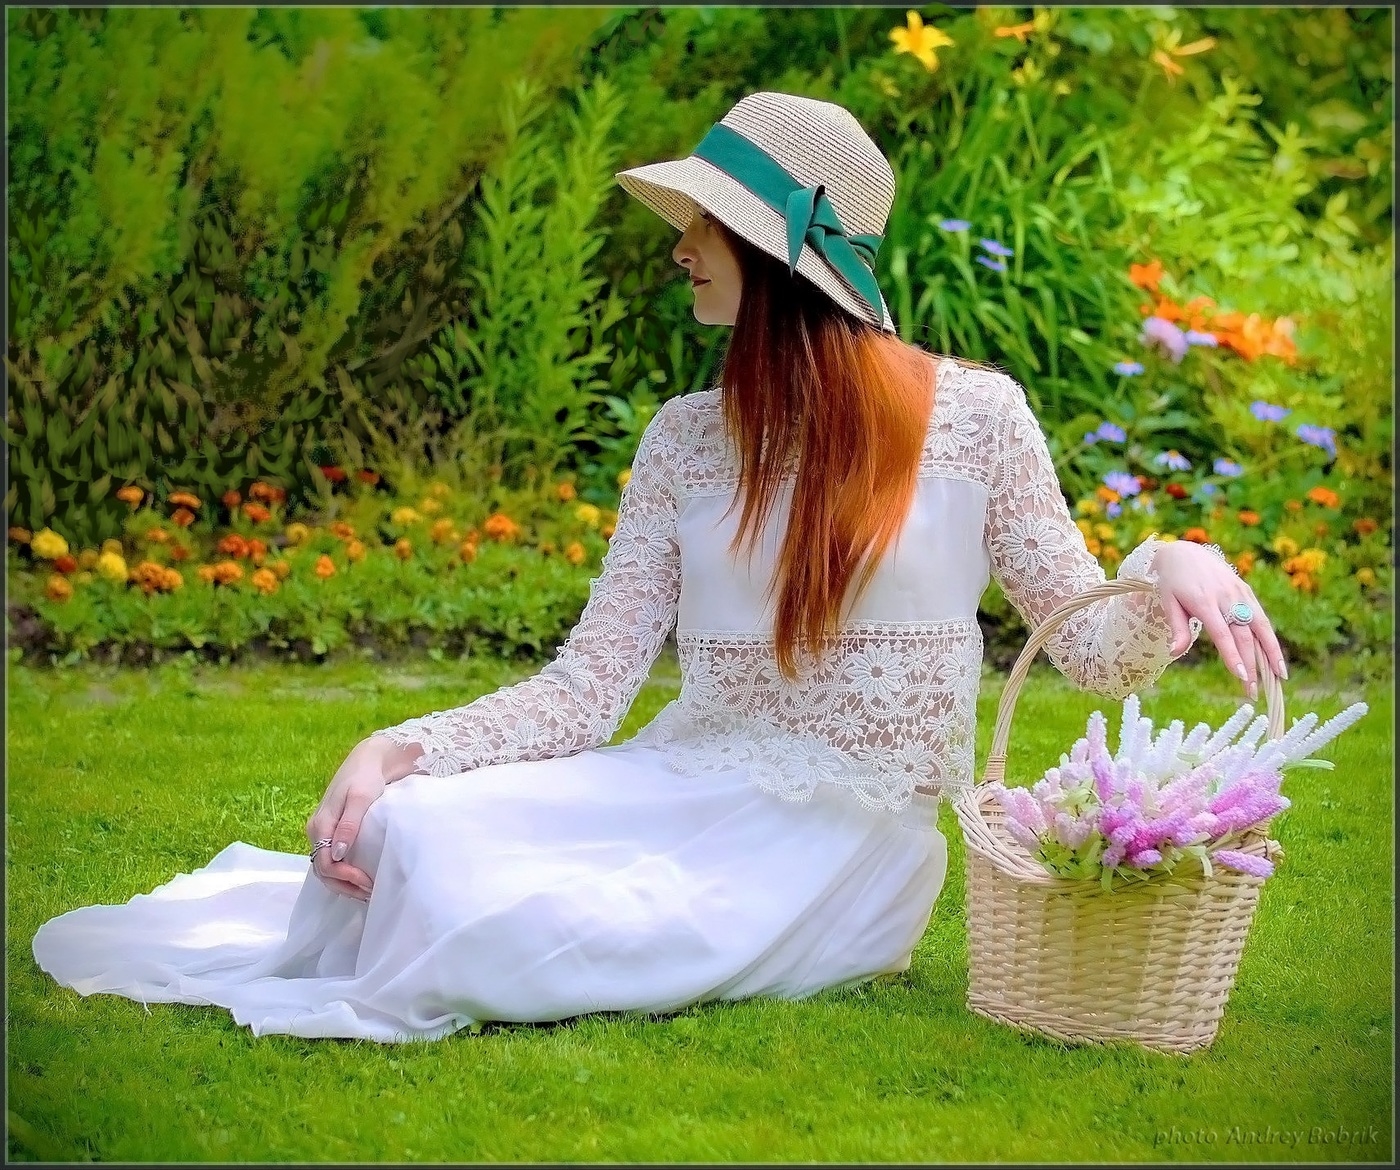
157, 535
1245, 562
325, 567
265, 581
178, 552
403, 548
343, 530
1107, 494
574, 553
607, 530
1248, 517
231, 499
21, 535
267, 493
67, 563
131, 494
442, 530
233, 545
282, 569
186, 500
256, 547
182, 517
57, 588
1196, 535
1363, 526
369, 477
1305, 582
1146, 275
355, 551
1111, 553
256, 513
499, 526
227, 572
1324, 496
565, 491
467, 551
206, 573
1293, 505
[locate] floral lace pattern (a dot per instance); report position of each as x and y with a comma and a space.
893, 709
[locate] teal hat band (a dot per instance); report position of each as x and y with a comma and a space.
809, 213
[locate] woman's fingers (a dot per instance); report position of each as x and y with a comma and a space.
1180, 622
1263, 631
1224, 638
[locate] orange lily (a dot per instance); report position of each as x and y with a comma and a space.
1018, 31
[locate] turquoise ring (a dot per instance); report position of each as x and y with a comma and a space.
1239, 614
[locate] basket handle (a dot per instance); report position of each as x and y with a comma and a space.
995, 769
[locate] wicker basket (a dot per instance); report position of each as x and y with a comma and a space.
1147, 963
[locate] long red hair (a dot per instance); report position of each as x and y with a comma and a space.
802, 378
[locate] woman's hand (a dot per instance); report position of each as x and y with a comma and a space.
1194, 582
361, 780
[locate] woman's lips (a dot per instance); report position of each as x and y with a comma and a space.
698, 283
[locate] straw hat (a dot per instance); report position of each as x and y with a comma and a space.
794, 176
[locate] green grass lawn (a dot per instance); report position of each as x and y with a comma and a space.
119, 780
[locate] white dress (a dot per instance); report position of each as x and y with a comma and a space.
758, 837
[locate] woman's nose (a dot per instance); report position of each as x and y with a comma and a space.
684, 249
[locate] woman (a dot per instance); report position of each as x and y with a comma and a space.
772, 831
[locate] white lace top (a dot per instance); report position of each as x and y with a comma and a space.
895, 706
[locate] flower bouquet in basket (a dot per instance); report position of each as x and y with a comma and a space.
1158, 803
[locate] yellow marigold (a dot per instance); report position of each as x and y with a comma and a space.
227, 572
297, 533
206, 573
1094, 546
1103, 531
1248, 518
1324, 496
1085, 526
1312, 559
403, 548
439, 489
87, 559
404, 515
58, 588
574, 553
624, 477
157, 535
1364, 526
1293, 505
355, 551
48, 544
1167, 537
1284, 546
442, 531
467, 551
186, 500
283, 569
325, 567
265, 581
1245, 562
566, 491
499, 526
182, 517
112, 566
1088, 507
113, 546
343, 530
21, 535
590, 514
131, 494
1366, 577
429, 506
607, 530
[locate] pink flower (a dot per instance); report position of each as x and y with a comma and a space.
1244, 862
1143, 858
1112, 856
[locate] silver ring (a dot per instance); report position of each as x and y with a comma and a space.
1239, 614
324, 843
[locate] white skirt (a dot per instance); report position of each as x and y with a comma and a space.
529, 891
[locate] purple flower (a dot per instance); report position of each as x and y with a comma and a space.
1209, 489
1161, 332
1143, 858
1122, 483
1228, 467
1173, 459
1112, 431
1127, 369
1194, 338
994, 265
1323, 437
1114, 509
996, 248
1267, 411
1112, 856
954, 225
1244, 862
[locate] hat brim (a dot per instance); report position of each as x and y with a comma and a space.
674, 189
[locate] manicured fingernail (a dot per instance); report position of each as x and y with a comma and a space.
338, 850
1253, 690
1239, 670
1282, 669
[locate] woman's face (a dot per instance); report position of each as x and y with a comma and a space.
714, 270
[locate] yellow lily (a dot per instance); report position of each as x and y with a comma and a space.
920, 40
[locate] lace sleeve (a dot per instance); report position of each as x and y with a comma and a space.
578, 700
1041, 560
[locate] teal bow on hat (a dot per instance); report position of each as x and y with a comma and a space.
810, 216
